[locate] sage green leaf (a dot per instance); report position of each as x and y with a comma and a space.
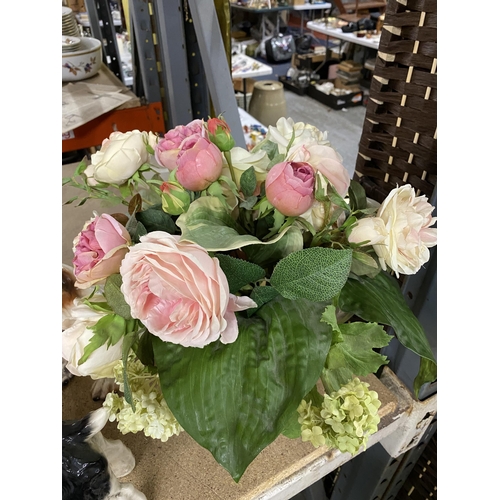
235, 399
239, 272
208, 223
136, 229
354, 356
155, 219
114, 296
265, 254
248, 181
380, 300
316, 274
261, 295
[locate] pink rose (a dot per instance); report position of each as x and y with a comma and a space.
326, 161
167, 149
290, 187
179, 292
99, 249
199, 163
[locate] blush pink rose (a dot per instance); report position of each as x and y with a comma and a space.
290, 187
199, 163
167, 149
179, 292
326, 161
99, 250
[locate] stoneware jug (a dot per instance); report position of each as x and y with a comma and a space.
268, 104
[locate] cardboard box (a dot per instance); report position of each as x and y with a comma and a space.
336, 101
296, 2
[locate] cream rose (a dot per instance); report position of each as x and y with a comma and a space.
119, 158
407, 219
101, 362
242, 160
303, 134
370, 231
179, 292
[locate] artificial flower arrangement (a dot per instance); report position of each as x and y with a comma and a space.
239, 280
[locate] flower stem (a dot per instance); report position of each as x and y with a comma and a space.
227, 155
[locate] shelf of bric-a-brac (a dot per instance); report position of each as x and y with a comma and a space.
131, 115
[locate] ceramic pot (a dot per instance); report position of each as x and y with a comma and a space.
268, 104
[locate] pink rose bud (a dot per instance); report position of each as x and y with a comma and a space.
199, 163
167, 149
220, 134
290, 187
99, 250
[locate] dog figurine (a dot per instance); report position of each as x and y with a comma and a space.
70, 292
92, 464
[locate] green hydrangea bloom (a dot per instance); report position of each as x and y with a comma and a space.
345, 420
152, 415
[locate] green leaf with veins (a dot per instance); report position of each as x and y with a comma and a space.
354, 356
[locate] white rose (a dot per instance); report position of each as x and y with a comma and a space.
304, 134
101, 362
119, 158
407, 219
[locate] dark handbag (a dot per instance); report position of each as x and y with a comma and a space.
280, 48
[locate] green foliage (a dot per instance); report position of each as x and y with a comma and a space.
239, 272
248, 182
380, 300
316, 274
114, 296
354, 356
236, 399
261, 295
208, 223
155, 219
108, 330
357, 196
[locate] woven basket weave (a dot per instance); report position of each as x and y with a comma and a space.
398, 143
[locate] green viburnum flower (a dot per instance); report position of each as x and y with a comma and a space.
345, 420
152, 415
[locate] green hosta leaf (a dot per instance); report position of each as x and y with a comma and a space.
354, 356
380, 300
208, 222
236, 399
316, 274
114, 296
239, 272
155, 219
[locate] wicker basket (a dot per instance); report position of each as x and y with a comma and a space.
398, 143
